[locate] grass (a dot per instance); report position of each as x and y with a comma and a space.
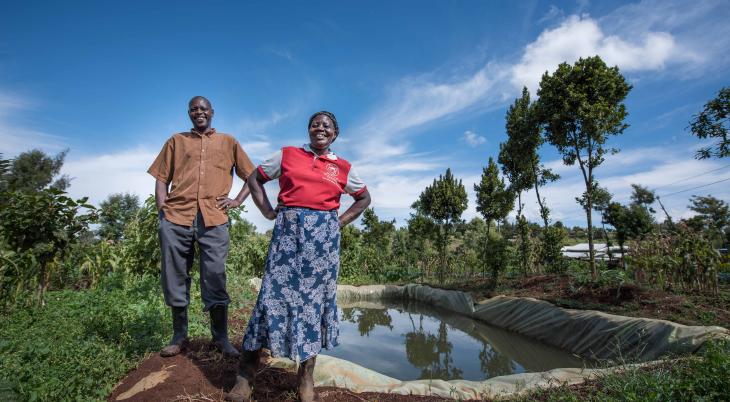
82, 342
704, 377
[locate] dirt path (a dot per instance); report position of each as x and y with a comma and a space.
201, 374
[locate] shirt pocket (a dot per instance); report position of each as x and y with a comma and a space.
221, 159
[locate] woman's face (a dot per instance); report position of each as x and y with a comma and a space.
321, 133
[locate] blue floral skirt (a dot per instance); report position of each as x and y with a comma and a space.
296, 310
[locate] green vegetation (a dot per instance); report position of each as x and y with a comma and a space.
699, 378
580, 107
80, 308
712, 122
82, 342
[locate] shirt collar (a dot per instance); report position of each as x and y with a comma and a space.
331, 155
210, 132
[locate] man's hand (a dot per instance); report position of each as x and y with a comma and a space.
226, 203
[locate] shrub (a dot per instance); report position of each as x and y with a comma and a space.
680, 259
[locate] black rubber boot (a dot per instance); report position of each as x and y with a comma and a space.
180, 332
247, 368
219, 330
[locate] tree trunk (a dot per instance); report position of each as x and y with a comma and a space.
539, 201
588, 179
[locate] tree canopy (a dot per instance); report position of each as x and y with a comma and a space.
712, 122
114, 214
34, 170
494, 200
580, 107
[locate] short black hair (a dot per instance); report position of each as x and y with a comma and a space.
328, 114
200, 97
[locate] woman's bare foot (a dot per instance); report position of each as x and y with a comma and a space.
305, 375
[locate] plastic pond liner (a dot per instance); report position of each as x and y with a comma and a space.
541, 345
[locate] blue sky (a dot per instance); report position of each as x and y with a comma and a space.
417, 86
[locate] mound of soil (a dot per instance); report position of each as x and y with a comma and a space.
629, 299
202, 374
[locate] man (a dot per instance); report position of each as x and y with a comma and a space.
194, 173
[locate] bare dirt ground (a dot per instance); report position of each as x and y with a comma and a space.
629, 300
202, 374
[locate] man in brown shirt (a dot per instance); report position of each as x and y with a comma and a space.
194, 173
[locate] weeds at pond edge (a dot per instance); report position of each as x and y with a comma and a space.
702, 377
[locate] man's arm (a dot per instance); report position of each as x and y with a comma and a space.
160, 193
362, 201
225, 202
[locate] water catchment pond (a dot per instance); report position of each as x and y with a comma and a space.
411, 340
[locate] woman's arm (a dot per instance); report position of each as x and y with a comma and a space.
258, 195
361, 203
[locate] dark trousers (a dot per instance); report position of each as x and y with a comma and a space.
177, 244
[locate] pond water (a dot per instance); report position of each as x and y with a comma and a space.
413, 341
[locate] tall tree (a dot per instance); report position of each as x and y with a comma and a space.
581, 106
443, 202
494, 200
712, 122
516, 154
516, 158
114, 214
34, 170
713, 215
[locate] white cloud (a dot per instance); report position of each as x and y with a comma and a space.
415, 102
581, 37
15, 138
97, 176
659, 168
553, 13
473, 138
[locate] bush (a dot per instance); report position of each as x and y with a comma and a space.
680, 259
82, 342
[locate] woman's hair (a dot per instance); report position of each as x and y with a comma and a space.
328, 114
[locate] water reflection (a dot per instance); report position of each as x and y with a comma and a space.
432, 354
366, 319
414, 341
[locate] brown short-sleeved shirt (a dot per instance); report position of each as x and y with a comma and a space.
199, 168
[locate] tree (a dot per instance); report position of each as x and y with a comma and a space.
443, 202
641, 195
34, 170
712, 122
4, 168
632, 221
713, 215
378, 234
494, 200
43, 223
114, 214
580, 107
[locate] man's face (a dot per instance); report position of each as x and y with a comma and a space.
201, 114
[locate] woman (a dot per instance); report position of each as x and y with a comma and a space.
296, 311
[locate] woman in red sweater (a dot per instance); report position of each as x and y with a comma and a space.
296, 311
